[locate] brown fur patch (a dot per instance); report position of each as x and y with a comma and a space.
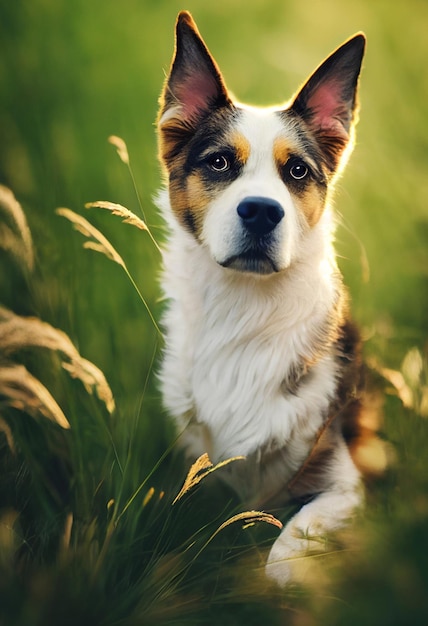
189, 199
311, 203
241, 146
281, 151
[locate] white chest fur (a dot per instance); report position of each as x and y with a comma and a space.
231, 342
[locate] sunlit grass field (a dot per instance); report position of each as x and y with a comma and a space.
89, 533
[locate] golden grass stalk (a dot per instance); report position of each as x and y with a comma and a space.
91, 376
18, 332
16, 239
11, 243
249, 518
22, 391
101, 244
402, 389
199, 470
123, 153
128, 217
117, 209
411, 383
121, 148
65, 539
149, 495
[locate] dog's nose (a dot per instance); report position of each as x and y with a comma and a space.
260, 215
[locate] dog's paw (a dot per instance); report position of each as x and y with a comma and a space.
279, 571
282, 560
291, 559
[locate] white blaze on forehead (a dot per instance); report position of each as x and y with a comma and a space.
261, 127
264, 129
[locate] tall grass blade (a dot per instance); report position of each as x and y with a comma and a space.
91, 376
123, 153
249, 518
199, 470
117, 209
88, 230
22, 391
16, 238
121, 148
102, 244
128, 217
64, 546
17, 333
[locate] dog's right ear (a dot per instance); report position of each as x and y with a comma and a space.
194, 86
327, 102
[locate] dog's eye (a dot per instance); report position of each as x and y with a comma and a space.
298, 170
219, 163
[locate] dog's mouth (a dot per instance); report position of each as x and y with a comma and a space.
253, 261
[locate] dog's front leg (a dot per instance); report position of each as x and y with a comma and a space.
307, 532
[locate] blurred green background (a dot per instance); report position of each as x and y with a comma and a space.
74, 72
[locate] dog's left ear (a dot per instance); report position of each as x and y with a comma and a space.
328, 100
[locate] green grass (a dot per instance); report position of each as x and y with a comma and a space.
71, 75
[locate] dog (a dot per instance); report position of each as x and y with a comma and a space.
262, 358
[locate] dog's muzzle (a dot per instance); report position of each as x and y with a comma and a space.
257, 250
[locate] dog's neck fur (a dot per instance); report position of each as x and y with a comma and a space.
237, 346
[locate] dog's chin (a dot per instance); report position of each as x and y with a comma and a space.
253, 262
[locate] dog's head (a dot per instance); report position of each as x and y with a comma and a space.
249, 183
